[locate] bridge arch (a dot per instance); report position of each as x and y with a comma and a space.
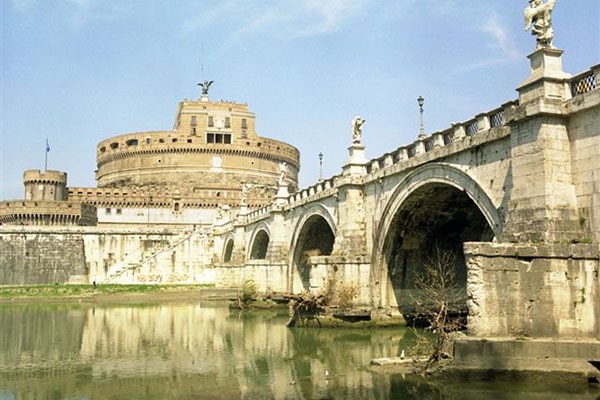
435, 207
228, 249
313, 235
259, 243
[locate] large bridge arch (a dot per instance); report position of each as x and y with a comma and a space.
314, 234
259, 242
436, 205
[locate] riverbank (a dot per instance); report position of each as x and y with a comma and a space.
126, 294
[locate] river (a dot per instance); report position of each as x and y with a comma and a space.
204, 350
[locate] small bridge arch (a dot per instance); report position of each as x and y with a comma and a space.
313, 235
259, 243
435, 208
228, 249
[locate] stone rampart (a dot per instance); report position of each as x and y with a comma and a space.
41, 258
60, 213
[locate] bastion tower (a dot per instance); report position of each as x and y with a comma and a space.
46, 203
212, 160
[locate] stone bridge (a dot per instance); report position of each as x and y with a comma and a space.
513, 194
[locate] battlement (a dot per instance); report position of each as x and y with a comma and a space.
47, 213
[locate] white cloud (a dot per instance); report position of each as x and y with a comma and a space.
23, 5
290, 18
329, 16
500, 37
79, 13
75, 13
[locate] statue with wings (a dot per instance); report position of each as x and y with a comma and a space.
538, 17
357, 123
205, 85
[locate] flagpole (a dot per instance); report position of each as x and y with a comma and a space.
46, 161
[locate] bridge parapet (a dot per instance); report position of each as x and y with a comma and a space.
258, 214
314, 192
482, 122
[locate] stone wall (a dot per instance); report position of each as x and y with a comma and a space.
351, 272
39, 258
533, 290
270, 277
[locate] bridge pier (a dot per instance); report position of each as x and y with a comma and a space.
350, 238
543, 202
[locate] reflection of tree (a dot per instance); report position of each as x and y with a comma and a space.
315, 351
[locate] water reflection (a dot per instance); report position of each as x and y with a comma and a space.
198, 351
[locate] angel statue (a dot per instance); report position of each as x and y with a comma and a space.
282, 172
357, 123
205, 85
538, 17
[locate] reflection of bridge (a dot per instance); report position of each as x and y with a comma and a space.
521, 181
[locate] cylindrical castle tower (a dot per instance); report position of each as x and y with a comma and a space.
212, 153
45, 186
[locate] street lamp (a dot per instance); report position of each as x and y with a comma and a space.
320, 166
421, 100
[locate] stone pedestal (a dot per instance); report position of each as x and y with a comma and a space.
357, 162
547, 79
282, 194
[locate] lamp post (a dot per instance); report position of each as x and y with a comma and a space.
420, 101
320, 166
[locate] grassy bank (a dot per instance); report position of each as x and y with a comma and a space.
79, 292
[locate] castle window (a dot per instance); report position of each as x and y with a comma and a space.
227, 122
161, 140
224, 138
174, 140
108, 210
102, 149
244, 124
211, 121
132, 142
193, 131
193, 122
114, 145
119, 211
147, 140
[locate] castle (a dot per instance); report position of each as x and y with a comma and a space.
212, 162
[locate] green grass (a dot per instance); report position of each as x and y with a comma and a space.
82, 291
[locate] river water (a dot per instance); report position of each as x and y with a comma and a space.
195, 351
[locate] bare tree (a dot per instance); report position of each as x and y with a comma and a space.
438, 301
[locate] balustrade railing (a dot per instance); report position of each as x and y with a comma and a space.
584, 82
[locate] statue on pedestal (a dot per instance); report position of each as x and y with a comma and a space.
245, 188
282, 172
538, 17
357, 123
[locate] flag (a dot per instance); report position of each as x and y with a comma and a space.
47, 146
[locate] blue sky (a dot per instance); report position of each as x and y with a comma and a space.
80, 71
